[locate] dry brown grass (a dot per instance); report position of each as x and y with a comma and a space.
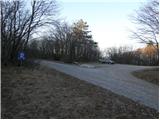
150, 75
45, 93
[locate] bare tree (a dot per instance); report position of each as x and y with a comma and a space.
147, 23
19, 22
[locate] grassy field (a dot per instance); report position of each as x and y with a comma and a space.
150, 75
45, 93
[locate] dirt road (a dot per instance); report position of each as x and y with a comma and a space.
116, 78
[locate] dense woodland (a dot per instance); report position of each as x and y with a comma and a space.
126, 55
64, 42
70, 43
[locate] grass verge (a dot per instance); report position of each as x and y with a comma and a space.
150, 75
45, 93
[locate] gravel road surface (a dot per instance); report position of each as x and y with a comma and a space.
116, 78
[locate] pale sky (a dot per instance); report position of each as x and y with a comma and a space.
107, 19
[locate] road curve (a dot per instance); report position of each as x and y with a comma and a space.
116, 78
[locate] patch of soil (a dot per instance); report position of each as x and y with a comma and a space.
45, 93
